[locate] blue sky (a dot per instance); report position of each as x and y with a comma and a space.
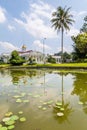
28, 22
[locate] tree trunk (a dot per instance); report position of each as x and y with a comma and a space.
62, 45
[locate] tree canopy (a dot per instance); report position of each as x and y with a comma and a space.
80, 45
16, 59
62, 19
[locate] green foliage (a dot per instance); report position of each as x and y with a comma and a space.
66, 57
16, 59
32, 61
84, 27
62, 19
51, 59
80, 46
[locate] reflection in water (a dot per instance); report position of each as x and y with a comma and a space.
41, 95
80, 89
62, 107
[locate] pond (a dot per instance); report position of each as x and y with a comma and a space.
43, 99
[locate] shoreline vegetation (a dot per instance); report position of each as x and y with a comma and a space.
49, 66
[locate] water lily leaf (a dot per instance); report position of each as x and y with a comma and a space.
20, 112
14, 117
10, 122
6, 119
19, 100
16, 96
44, 108
60, 114
8, 114
23, 94
45, 103
22, 119
11, 127
58, 103
39, 107
50, 102
80, 103
62, 109
3, 128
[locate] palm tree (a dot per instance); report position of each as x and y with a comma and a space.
60, 21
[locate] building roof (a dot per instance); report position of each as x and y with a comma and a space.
24, 52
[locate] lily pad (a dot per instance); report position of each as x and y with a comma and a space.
44, 108
62, 109
80, 103
16, 96
6, 119
3, 128
22, 119
14, 117
60, 114
10, 122
8, 114
50, 102
20, 112
11, 127
59, 103
39, 107
18, 100
45, 103
23, 94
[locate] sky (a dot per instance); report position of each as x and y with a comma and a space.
28, 22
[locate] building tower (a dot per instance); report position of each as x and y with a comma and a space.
24, 48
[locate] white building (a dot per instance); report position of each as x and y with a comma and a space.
57, 58
4, 57
26, 54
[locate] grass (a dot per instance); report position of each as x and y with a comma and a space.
64, 65
4, 65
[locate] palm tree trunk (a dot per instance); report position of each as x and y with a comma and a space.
62, 44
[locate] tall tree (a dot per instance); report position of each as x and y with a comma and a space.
61, 21
84, 27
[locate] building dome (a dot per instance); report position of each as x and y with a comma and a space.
24, 48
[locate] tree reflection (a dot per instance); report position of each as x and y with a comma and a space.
21, 74
80, 88
62, 107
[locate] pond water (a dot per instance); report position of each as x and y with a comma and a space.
47, 99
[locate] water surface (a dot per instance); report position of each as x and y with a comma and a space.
39, 91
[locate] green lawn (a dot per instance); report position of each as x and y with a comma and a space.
65, 65
70, 65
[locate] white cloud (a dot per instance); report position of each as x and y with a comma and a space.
2, 15
36, 23
82, 13
11, 28
73, 32
38, 44
7, 47
42, 9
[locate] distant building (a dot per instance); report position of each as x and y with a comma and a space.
4, 57
57, 58
26, 54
